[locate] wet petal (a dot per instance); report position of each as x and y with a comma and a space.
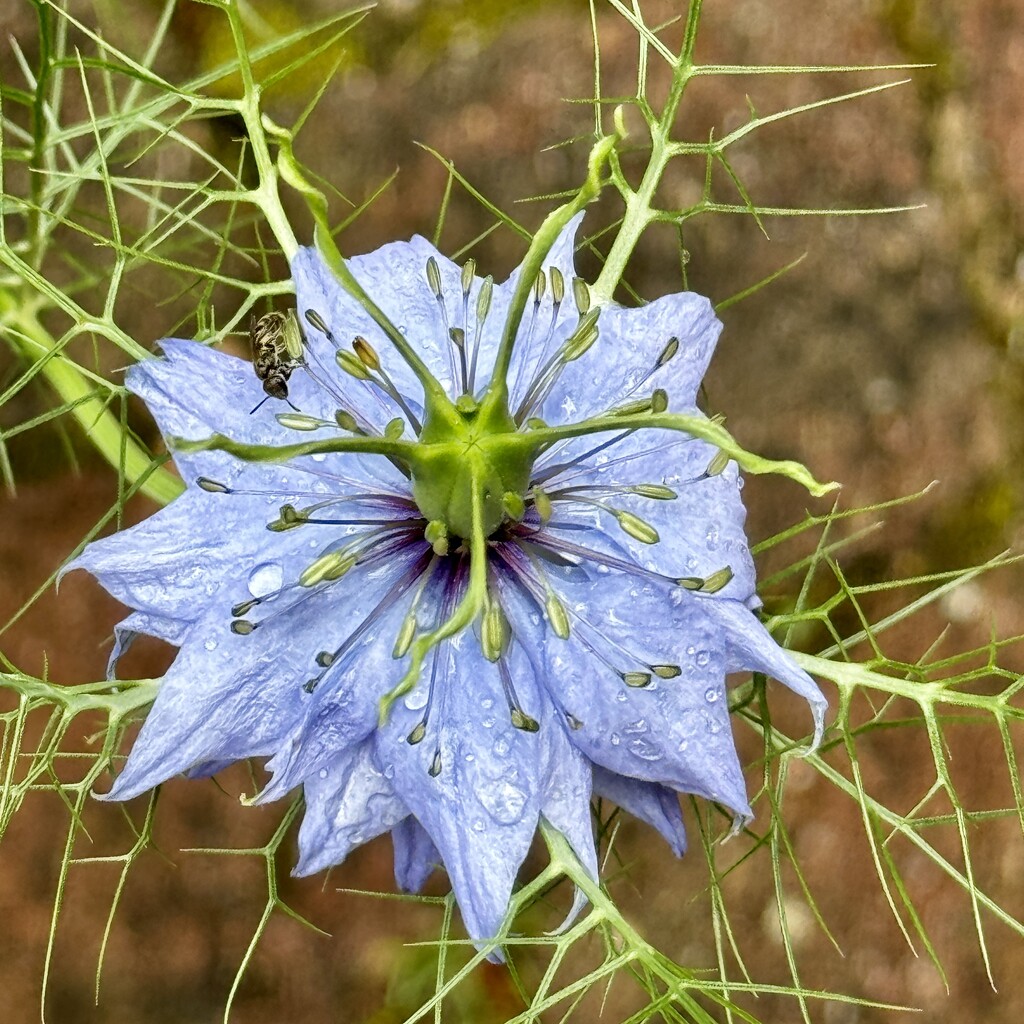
655, 804
415, 855
481, 807
347, 804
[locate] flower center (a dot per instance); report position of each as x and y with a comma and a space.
470, 470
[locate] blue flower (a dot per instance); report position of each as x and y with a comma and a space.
448, 648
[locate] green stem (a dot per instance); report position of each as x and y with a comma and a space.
640, 202
404, 451
547, 233
695, 426
101, 426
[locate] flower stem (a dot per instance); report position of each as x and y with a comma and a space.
101, 426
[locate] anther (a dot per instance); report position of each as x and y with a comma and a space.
574, 723
581, 294
406, 633
542, 503
536, 423
300, 421
327, 567
213, 486
558, 618
666, 671
243, 627
436, 535
638, 680
582, 338
434, 278
394, 429
495, 632
315, 320
483, 300
417, 734
717, 581
521, 720
245, 607
349, 362
717, 465
667, 352
513, 505
659, 400
311, 684
557, 286
325, 659
347, 421
458, 337
468, 273
639, 529
658, 492
539, 287
435, 765
366, 352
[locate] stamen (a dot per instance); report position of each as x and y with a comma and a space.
363, 363
483, 307
581, 295
410, 623
520, 719
316, 321
300, 421
495, 632
434, 281
243, 627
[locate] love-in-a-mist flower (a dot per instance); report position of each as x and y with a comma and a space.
492, 565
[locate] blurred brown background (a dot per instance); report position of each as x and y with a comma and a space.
891, 357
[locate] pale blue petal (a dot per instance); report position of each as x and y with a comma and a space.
750, 647
173, 631
624, 358
481, 809
347, 804
675, 732
416, 857
652, 803
227, 696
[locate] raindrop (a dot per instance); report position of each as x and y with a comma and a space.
402, 329
323, 773
318, 456
621, 697
487, 703
389, 771
417, 698
470, 758
478, 825
210, 645
501, 747
711, 695
645, 750
637, 727
504, 802
703, 658
616, 739
488, 722
265, 579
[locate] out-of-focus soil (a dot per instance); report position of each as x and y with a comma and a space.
891, 357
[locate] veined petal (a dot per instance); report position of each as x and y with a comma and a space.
700, 530
415, 855
347, 804
173, 631
625, 358
230, 696
650, 802
481, 806
673, 731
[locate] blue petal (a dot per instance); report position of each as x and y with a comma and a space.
481, 809
750, 647
415, 855
227, 696
172, 631
654, 804
675, 732
700, 530
347, 804
627, 352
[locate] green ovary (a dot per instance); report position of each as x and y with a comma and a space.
464, 463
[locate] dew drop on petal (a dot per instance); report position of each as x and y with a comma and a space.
318, 456
389, 771
637, 728
417, 698
621, 697
478, 825
703, 658
323, 773
503, 801
210, 645
265, 579
645, 749
711, 695
487, 703
616, 739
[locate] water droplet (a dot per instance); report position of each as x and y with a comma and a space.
502, 801
703, 658
690, 723
604, 570
487, 703
691, 564
711, 695
389, 771
616, 739
637, 727
402, 329
265, 579
318, 456
416, 699
479, 825
470, 758
501, 747
621, 697
488, 722
210, 645
322, 773
645, 750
